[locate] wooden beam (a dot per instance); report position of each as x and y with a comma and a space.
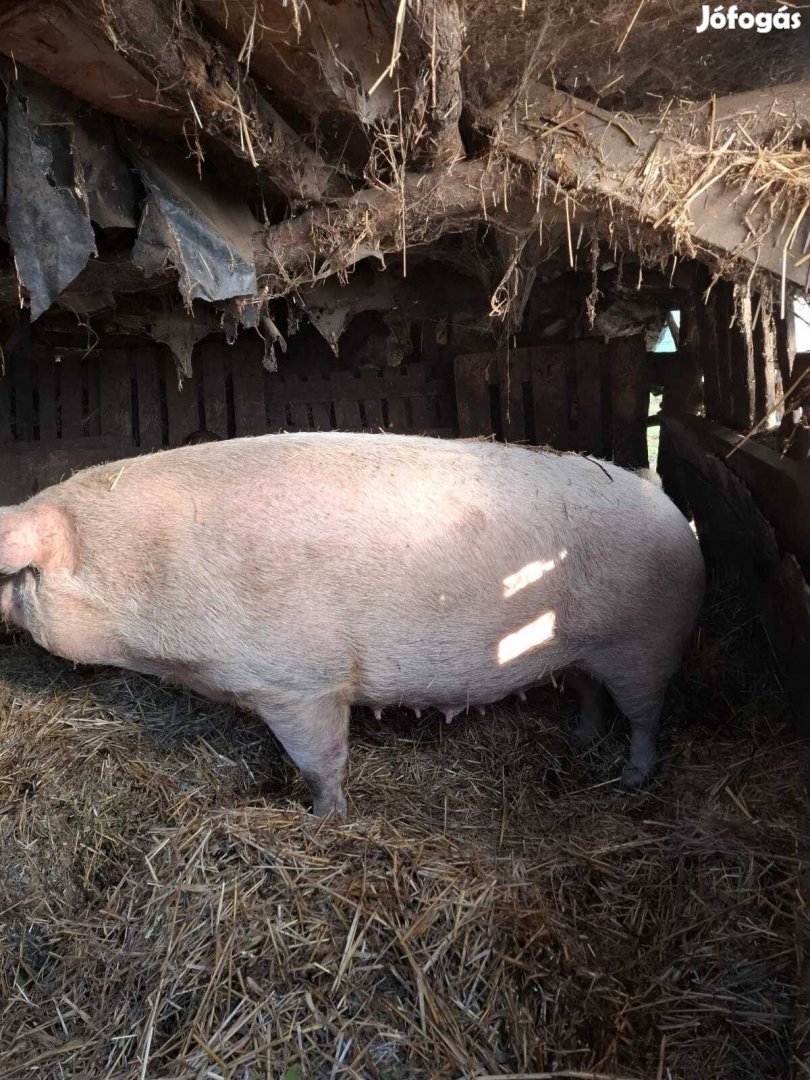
761, 114
201, 79
379, 221
599, 160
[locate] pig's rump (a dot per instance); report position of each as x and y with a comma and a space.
303, 573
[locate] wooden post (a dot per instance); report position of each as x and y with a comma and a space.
786, 346
764, 360
630, 398
714, 382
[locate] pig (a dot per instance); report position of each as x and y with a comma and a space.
297, 575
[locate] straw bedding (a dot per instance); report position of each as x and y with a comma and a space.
495, 906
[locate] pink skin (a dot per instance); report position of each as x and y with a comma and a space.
302, 574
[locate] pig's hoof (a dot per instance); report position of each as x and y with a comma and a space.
329, 804
633, 777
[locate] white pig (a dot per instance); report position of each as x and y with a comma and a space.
298, 575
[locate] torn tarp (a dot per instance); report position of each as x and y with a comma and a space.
112, 189
47, 215
206, 235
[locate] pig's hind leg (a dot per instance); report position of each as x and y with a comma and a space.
640, 697
315, 734
591, 694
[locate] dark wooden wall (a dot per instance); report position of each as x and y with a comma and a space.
581, 395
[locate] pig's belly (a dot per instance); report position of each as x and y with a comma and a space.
436, 671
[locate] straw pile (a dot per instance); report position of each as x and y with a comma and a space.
496, 906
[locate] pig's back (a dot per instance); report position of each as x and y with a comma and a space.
402, 557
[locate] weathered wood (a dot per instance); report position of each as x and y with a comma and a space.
203, 83
19, 360
374, 416
71, 397
514, 368
397, 414
419, 412
248, 393
472, 375
299, 418
780, 487
274, 399
738, 539
606, 165
549, 381
92, 422
721, 308
629, 400
708, 345
785, 346
589, 397
347, 415
28, 467
182, 405
115, 393
150, 433
213, 371
6, 432
742, 377
45, 375
764, 363
320, 416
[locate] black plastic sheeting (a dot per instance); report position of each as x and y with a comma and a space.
47, 215
113, 192
67, 168
205, 234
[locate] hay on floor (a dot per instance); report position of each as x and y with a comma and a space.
496, 906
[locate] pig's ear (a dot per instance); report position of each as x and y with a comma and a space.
42, 536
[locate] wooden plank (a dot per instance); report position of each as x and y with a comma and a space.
46, 393
397, 414
420, 413
347, 415
213, 368
92, 422
473, 374
182, 405
275, 395
589, 433
150, 435
629, 400
374, 416
708, 346
765, 369
549, 383
720, 311
115, 393
299, 418
513, 371
785, 346
71, 397
6, 434
742, 379
248, 393
739, 541
320, 416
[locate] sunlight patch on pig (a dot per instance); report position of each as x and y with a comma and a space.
528, 637
528, 574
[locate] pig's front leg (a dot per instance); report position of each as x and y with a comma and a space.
315, 733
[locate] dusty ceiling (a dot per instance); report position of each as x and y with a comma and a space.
271, 144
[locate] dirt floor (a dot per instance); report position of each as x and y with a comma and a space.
496, 906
